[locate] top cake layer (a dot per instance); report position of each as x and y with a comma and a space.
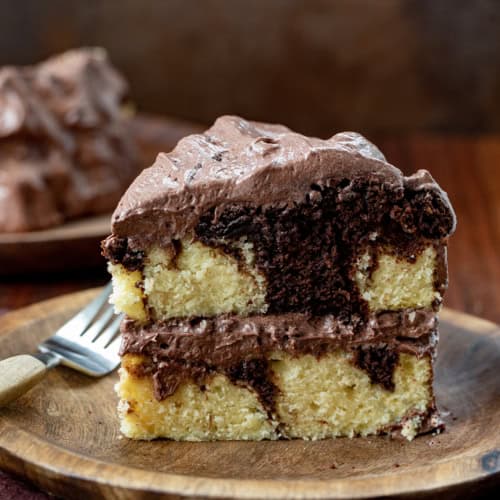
249, 163
64, 147
249, 218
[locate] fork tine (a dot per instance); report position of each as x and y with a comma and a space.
109, 333
98, 326
88, 342
79, 323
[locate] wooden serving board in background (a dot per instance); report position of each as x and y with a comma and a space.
64, 436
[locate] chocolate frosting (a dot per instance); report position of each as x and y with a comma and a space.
219, 339
181, 349
64, 147
242, 162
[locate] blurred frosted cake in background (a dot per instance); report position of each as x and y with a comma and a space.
278, 286
65, 151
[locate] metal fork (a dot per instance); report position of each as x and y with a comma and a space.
88, 342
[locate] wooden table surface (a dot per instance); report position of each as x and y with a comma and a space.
468, 168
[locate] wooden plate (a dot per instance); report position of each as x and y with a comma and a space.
64, 435
75, 245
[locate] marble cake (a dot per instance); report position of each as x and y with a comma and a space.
65, 150
278, 286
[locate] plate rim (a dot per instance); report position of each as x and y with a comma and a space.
70, 230
200, 486
425, 479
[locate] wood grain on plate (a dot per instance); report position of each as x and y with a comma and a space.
75, 244
64, 436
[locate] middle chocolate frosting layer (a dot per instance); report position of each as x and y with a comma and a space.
219, 339
182, 349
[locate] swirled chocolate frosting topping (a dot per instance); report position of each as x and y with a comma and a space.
237, 162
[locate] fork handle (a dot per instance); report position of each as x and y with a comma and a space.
19, 374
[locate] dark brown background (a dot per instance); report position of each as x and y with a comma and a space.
319, 66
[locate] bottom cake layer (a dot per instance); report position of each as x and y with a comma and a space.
307, 397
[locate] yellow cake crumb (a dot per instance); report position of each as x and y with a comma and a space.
127, 294
317, 399
202, 281
221, 411
397, 283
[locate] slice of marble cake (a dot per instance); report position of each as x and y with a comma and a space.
277, 285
